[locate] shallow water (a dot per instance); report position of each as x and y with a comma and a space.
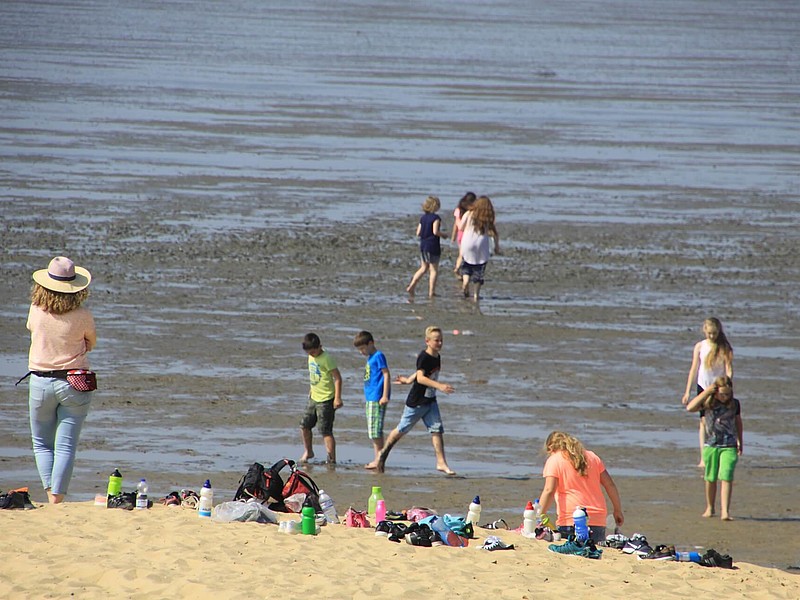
215, 120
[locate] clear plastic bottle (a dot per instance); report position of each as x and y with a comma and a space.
114, 483
581, 522
529, 519
206, 500
537, 508
474, 513
328, 507
141, 495
376, 495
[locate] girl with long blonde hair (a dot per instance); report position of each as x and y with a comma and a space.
479, 227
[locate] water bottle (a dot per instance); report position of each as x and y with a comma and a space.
537, 508
474, 513
580, 519
688, 557
206, 500
141, 495
115, 483
380, 511
328, 508
308, 524
373, 499
529, 519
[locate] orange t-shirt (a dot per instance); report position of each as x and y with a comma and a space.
60, 342
574, 490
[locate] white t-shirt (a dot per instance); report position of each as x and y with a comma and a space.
705, 375
475, 247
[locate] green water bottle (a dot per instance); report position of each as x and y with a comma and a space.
115, 483
308, 524
373, 499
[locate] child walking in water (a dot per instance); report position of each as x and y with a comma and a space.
429, 230
711, 358
463, 206
377, 390
478, 225
724, 445
421, 401
324, 398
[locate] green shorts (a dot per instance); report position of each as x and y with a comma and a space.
319, 413
375, 414
720, 463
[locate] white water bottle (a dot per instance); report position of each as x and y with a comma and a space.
141, 495
537, 508
474, 513
328, 508
529, 519
580, 519
206, 500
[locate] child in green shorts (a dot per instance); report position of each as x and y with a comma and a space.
723, 447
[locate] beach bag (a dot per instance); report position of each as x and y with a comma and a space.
259, 485
300, 482
267, 485
356, 518
82, 380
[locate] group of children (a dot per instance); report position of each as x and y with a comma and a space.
473, 229
325, 397
721, 432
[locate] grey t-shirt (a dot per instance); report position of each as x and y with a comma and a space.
720, 422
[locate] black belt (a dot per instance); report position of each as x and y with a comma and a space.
56, 374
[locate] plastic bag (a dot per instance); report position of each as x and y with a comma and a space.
295, 502
227, 512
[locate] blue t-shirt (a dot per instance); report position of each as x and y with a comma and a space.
373, 376
427, 241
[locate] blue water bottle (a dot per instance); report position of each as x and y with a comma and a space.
580, 519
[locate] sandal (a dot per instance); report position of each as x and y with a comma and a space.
189, 499
171, 499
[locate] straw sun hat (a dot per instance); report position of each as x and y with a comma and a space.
61, 275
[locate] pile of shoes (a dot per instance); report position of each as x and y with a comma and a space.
18, 498
124, 500
637, 545
576, 547
416, 534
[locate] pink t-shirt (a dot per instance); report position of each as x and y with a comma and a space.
574, 490
60, 342
457, 225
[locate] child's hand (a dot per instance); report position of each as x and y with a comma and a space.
337, 404
447, 388
403, 380
383, 401
685, 399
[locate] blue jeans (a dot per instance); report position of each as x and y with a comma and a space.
57, 413
429, 413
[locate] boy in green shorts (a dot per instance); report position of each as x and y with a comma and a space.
377, 390
324, 398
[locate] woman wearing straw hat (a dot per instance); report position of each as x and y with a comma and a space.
62, 332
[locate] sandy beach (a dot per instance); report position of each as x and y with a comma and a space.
91, 552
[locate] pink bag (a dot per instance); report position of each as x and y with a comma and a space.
356, 518
418, 513
82, 380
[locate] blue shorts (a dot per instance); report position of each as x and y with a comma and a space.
427, 257
474, 272
429, 413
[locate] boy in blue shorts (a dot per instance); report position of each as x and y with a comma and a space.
724, 445
324, 398
421, 401
377, 391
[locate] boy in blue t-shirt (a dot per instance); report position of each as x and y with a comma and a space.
377, 390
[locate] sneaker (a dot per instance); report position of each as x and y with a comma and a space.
592, 551
637, 544
397, 532
615, 540
712, 558
383, 529
499, 524
571, 546
123, 500
660, 552
419, 538
493, 543
543, 533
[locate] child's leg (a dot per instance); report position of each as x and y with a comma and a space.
330, 448
308, 447
423, 267
465, 285
437, 439
725, 500
457, 269
477, 293
711, 498
434, 267
393, 438
377, 446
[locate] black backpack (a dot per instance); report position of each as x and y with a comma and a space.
267, 485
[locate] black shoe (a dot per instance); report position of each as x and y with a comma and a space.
397, 532
419, 538
125, 501
384, 528
712, 558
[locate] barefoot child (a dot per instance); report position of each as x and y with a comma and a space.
464, 204
712, 357
421, 401
429, 230
324, 398
723, 447
377, 390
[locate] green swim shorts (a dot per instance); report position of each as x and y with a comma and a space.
720, 463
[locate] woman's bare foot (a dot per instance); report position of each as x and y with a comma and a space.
709, 513
55, 498
445, 469
726, 518
372, 465
307, 456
